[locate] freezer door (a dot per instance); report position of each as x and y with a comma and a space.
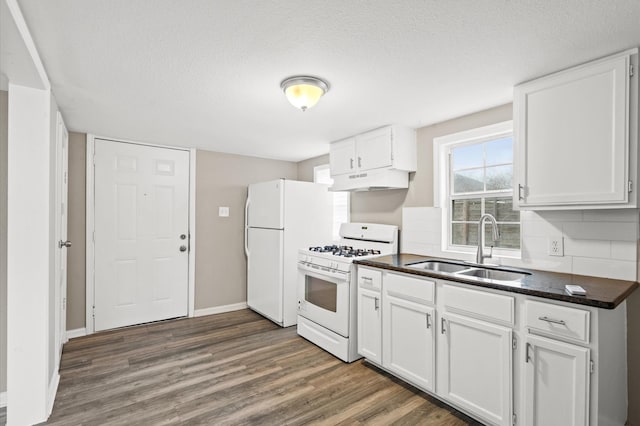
264, 272
265, 205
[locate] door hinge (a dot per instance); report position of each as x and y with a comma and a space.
592, 366
631, 70
93, 311
630, 186
514, 419
514, 342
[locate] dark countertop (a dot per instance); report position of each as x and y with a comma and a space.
601, 292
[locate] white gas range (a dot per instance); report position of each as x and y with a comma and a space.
327, 285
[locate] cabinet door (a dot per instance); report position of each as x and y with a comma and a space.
556, 383
408, 340
342, 157
369, 325
374, 149
475, 367
572, 136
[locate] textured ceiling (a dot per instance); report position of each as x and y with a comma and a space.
206, 73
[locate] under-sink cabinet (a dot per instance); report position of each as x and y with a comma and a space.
475, 358
576, 137
501, 357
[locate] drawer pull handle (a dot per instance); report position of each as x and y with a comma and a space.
526, 352
442, 326
367, 279
376, 303
428, 320
551, 320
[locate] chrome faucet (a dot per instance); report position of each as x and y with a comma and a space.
480, 256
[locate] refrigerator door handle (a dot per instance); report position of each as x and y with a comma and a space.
246, 227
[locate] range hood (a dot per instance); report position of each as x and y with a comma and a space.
371, 180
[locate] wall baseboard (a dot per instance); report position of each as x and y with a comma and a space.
3, 399
220, 309
78, 332
53, 389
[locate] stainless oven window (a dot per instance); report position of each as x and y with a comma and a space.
321, 293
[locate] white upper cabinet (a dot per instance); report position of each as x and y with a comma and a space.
376, 159
576, 137
343, 156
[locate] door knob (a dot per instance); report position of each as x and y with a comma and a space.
64, 244
183, 248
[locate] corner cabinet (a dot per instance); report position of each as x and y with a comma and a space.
576, 137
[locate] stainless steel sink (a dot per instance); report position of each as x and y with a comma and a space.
494, 274
439, 266
469, 270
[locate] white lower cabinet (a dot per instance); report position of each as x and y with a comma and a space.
556, 383
408, 340
369, 325
476, 367
501, 357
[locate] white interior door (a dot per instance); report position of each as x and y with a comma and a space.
62, 161
141, 234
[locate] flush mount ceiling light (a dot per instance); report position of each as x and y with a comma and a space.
304, 91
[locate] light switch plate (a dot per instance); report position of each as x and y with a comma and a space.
223, 211
556, 246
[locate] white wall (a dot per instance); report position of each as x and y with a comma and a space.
601, 243
29, 280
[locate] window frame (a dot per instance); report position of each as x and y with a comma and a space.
443, 175
336, 229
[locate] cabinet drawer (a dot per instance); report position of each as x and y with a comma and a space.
408, 288
480, 304
558, 320
369, 278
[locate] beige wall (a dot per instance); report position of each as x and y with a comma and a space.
3, 238
76, 231
386, 206
305, 168
221, 181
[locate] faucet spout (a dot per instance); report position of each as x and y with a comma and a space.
480, 256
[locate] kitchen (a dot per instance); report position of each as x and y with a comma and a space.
222, 178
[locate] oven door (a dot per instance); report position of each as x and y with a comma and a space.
323, 297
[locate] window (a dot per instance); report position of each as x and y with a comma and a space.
322, 174
474, 174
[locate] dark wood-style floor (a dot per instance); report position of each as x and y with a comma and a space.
233, 368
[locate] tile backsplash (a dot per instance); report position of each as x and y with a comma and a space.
602, 243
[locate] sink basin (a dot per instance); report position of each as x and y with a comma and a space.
439, 266
494, 274
469, 270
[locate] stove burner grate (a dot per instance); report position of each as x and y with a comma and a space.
345, 251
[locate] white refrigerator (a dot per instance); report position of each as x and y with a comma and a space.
282, 216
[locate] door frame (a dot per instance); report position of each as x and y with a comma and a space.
90, 225
60, 291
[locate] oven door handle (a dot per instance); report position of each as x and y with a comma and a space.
324, 274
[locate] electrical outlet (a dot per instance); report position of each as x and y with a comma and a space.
556, 246
223, 211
